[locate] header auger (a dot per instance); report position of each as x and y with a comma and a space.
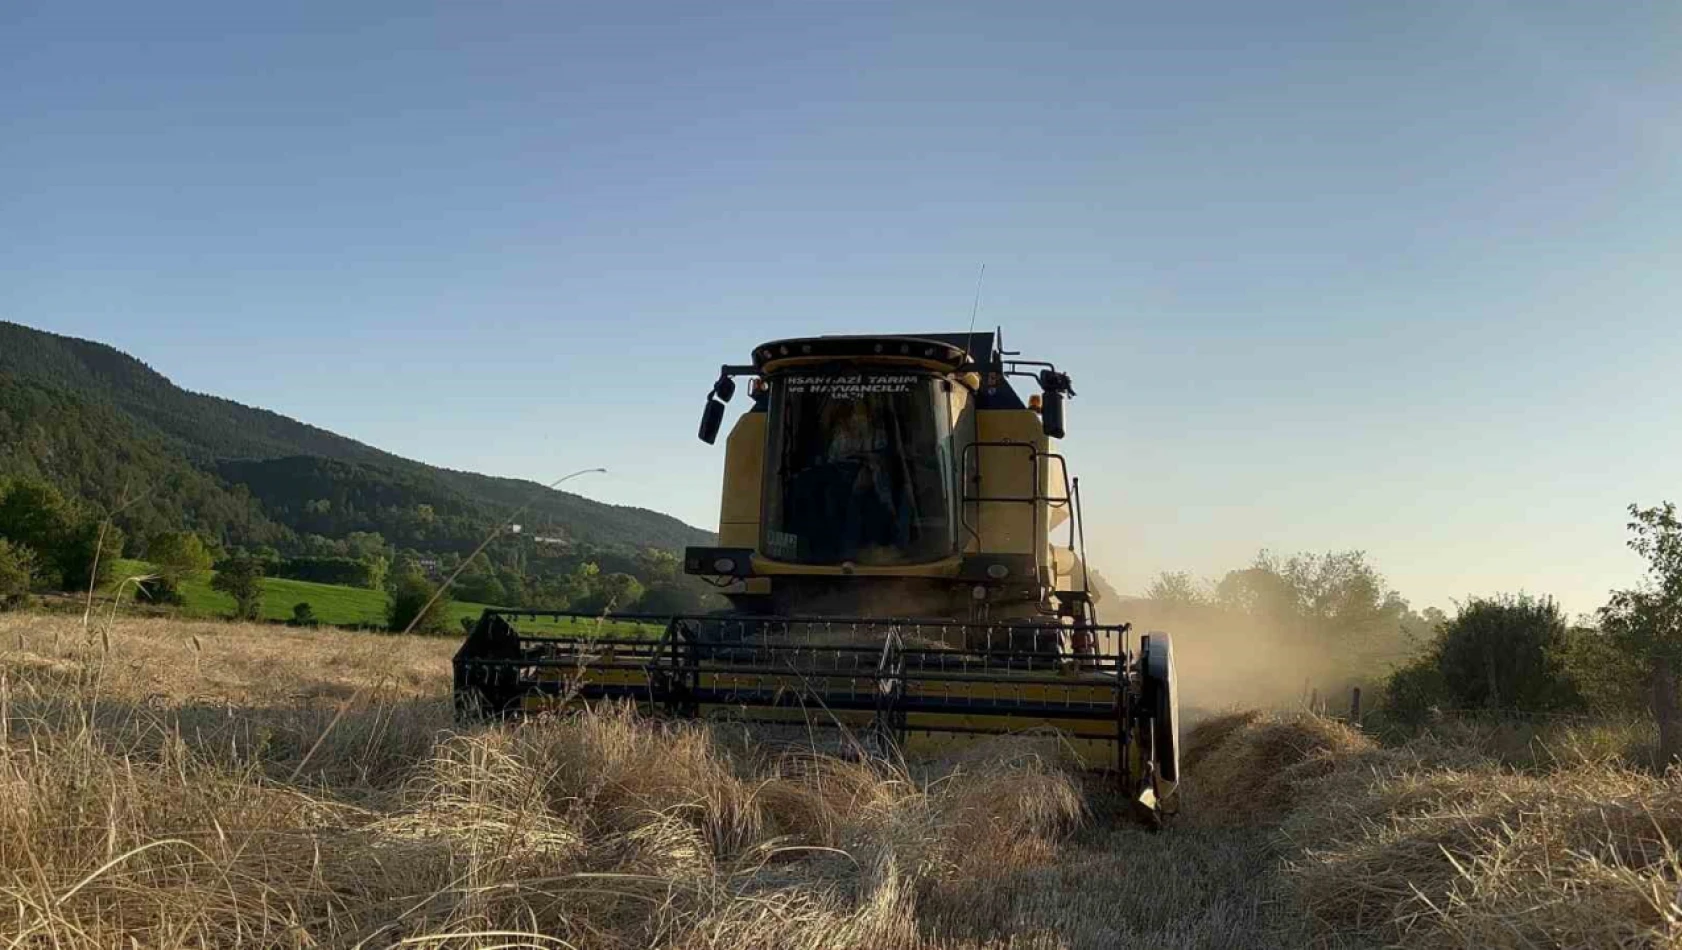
889, 544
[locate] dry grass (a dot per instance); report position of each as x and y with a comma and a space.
1440, 844
175, 784
178, 784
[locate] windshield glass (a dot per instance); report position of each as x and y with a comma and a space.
860, 467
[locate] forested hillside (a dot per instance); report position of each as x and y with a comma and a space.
91, 451
93, 420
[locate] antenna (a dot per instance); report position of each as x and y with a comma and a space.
974, 309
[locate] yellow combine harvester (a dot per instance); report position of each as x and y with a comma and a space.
889, 544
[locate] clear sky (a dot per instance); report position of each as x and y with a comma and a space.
1394, 276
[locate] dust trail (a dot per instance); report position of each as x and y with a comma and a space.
1225, 660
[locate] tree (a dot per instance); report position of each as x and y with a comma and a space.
657, 564
242, 579
1261, 592
87, 554
670, 598
407, 609
365, 544
1504, 652
316, 545
1611, 680
480, 586
33, 513
378, 568
17, 574
303, 615
1176, 589
1327, 600
1646, 620
176, 556
617, 591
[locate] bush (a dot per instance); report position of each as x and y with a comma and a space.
176, 556
1611, 679
409, 598
179, 554
17, 574
35, 515
1504, 652
87, 555
303, 615
1414, 690
242, 579
670, 598
611, 593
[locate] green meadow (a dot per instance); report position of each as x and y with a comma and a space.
351, 606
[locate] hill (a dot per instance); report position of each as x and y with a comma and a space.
95, 420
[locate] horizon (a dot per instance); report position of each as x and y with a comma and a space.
1326, 278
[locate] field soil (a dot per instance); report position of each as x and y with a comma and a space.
180, 783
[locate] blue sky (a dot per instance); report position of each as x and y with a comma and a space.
1398, 277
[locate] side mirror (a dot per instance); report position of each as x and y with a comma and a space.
1051, 413
711, 419
724, 389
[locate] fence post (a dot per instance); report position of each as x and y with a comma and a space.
1355, 705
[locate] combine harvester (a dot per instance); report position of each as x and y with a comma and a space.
888, 542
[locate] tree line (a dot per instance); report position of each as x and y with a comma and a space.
1502, 653
48, 540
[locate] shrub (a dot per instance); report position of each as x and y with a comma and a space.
35, 515
1504, 652
17, 574
408, 608
1413, 691
88, 553
242, 579
611, 593
303, 615
177, 556
667, 597
1611, 678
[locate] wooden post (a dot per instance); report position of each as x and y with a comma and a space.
1665, 712
1355, 705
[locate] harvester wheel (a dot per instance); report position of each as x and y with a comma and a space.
1162, 701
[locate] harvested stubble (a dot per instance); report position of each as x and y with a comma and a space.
1435, 844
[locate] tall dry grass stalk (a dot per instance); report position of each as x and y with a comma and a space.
124, 502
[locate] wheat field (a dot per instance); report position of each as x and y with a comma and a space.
191, 784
